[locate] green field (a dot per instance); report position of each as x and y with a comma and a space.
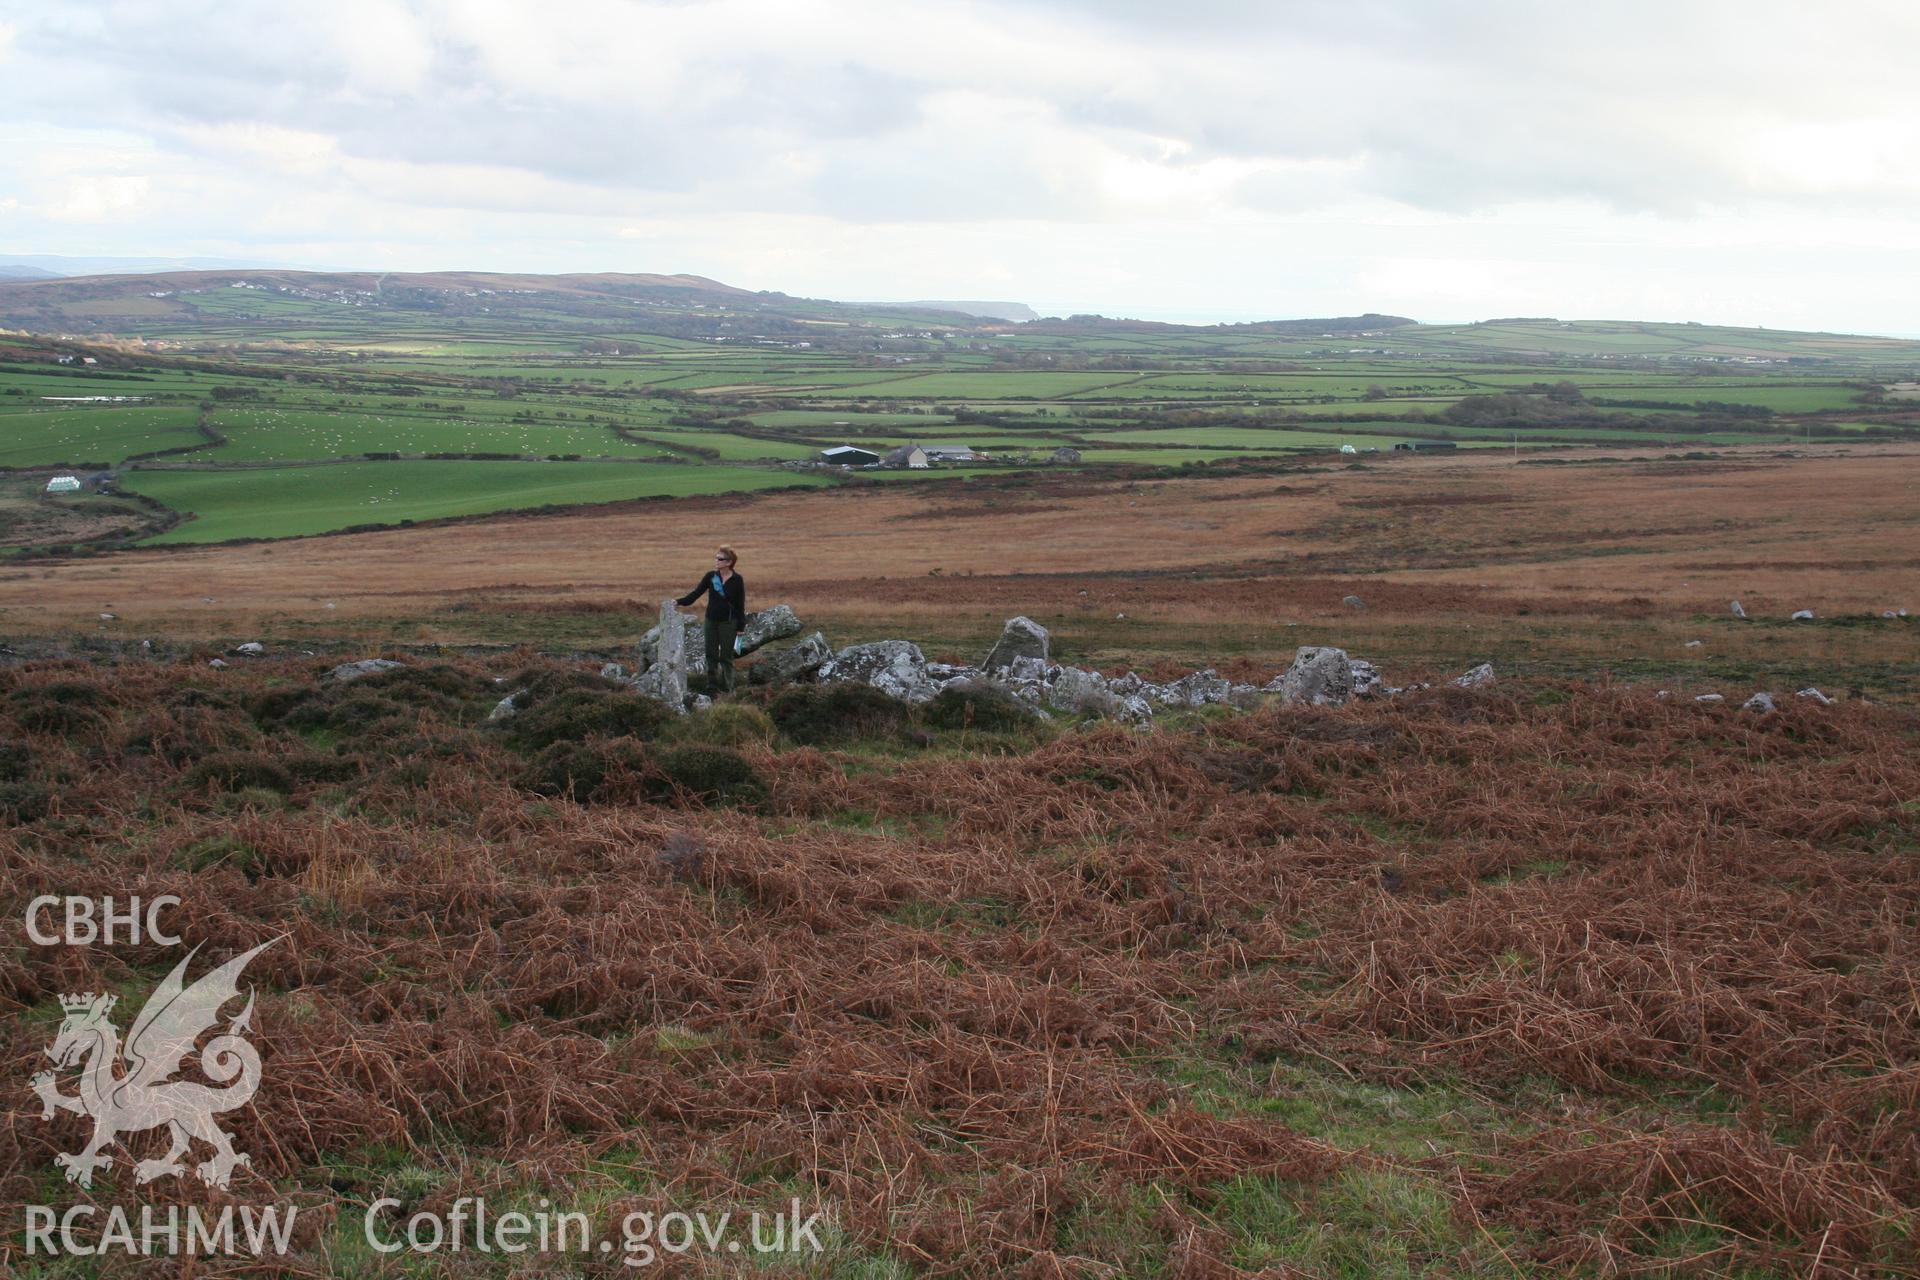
284, 502
728, 393
107, 434
273, 435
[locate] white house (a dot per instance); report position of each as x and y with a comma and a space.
907, 455
64, 484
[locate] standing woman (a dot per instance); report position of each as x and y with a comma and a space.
726, 594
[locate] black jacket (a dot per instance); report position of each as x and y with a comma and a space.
730, 602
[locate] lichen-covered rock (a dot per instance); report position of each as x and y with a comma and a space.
1476, 678
1319, 677
766, 626
613, 671
1814, 695
1760, 702
1032, 670
507, 707
1195, 689
1366, 678
795, 662
895, 667
364, 667
1081, 692
665, 677
1021, 638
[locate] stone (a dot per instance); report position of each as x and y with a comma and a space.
665, 677
1195, 689
1319, 677
1366, 679
1814, 695
1353, 602
1077, 691
1127, 685
508, 707
1036, 670
895, 667
766, 626
1135, 710
1803, 615
1694, 644
1021, 637
692, 645
218, 664
796, 662
1478, 677
1738, 612
364, 667
613, 671
1760, 702
109, 617
1711, 697
252, 648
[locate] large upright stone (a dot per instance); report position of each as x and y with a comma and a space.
1021, 638
665, 679
1319, 677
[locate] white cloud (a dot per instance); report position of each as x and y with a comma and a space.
1440, 158
98, 199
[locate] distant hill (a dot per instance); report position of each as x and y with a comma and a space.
239, 302
1018, 312
20, 271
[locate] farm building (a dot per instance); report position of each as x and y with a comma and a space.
907, 455
1064, 455
1423, 446
953, 453
64, 484
847, 455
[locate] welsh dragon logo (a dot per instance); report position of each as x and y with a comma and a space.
140, 1095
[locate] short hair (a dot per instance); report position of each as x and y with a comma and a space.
729, 554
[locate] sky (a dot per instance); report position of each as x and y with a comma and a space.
1735, 163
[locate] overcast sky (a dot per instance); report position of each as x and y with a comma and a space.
1750, 162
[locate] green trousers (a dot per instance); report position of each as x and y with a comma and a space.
719, 655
